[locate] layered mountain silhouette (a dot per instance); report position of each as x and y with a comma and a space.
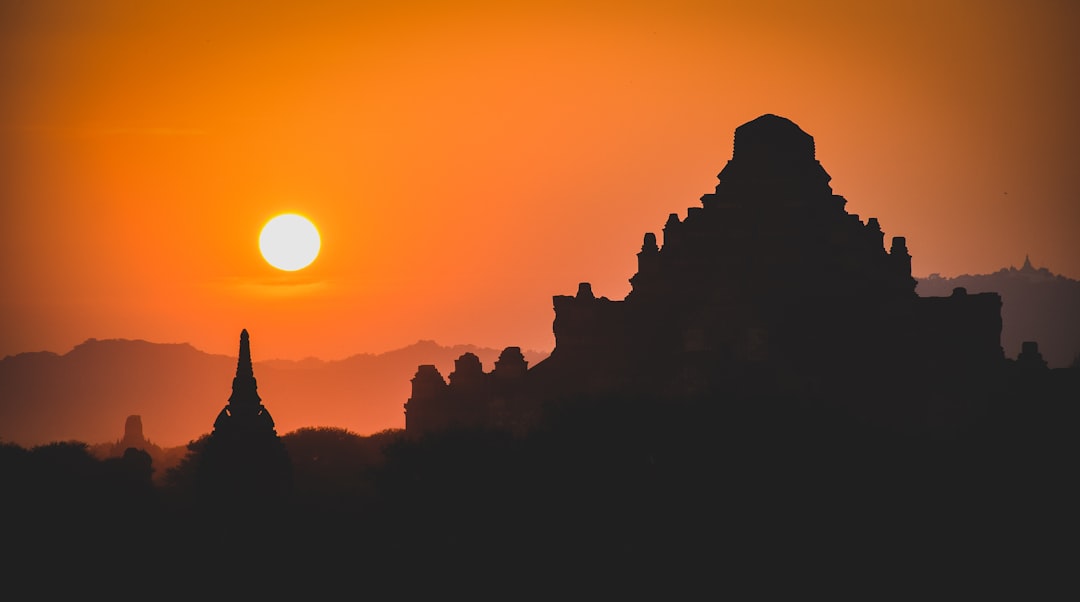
89, 392
1036, 305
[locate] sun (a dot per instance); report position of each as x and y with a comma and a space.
289, 242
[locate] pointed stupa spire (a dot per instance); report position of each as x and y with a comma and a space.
1027, 267
245, 392
243, 362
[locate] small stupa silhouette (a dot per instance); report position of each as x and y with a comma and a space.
245, 411
243, 458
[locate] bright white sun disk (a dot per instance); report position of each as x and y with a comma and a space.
289, 242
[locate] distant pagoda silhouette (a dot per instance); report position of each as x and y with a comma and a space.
769, 288
1038, 306
133, 438
243, 457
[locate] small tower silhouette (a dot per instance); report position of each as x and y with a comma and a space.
1030, 357
133, 434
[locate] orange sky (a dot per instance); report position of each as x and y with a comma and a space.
466, 161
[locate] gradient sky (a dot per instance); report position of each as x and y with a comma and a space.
466, 161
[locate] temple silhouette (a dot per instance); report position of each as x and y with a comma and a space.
770, 288
243, 458
244, 414
473, 398
133, 438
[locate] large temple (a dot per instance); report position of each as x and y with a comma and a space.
770, 287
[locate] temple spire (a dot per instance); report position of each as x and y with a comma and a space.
1027, 264
244, 459
244, 388
243, 362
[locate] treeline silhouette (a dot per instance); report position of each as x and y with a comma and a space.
619, 495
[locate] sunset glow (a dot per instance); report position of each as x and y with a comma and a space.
452, 298
470, 160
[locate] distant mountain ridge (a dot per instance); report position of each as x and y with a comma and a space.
1037, 305
178, 390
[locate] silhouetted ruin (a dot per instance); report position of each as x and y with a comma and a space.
769, 288
472, 398
133, 439
1030, 358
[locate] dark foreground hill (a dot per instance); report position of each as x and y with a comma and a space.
88, 393
1036, 305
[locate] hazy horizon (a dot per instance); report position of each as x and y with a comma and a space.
372, 351
256, 360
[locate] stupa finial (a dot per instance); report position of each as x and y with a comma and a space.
244, 388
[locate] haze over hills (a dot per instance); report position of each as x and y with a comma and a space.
88, 393
1036, 305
